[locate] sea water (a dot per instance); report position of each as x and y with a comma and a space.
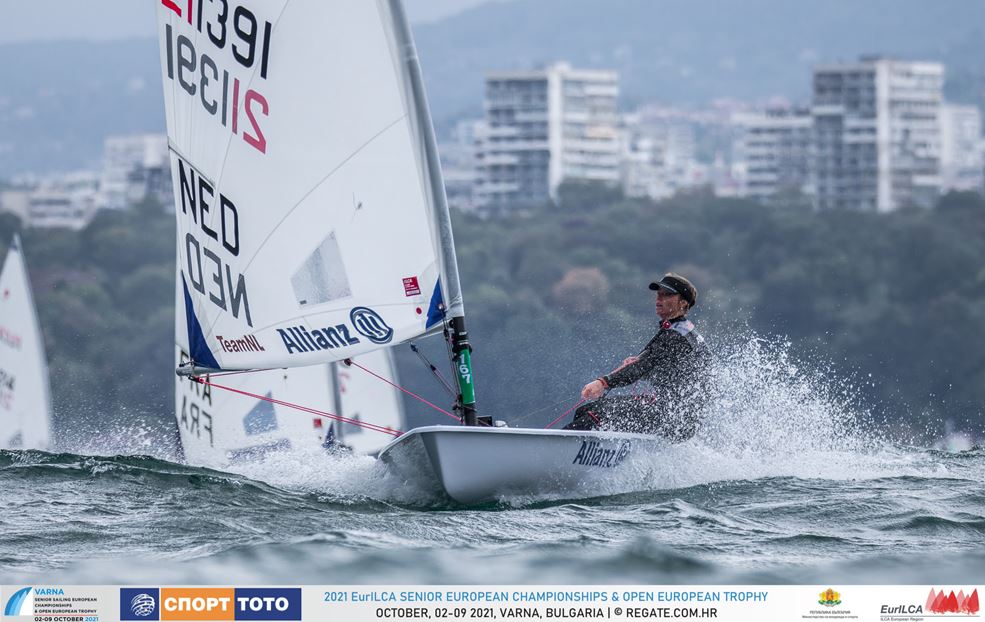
788, 481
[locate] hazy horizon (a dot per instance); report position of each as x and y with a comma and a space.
57, 20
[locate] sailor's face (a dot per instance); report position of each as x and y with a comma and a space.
669, 305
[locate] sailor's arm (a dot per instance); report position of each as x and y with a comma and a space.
597, 388
651, 356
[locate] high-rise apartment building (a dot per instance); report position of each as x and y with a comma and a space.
775, 148
135, 167
658, 153
543, 127
962, 148
877, 126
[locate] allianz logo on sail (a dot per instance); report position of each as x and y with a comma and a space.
9, 338
246, 343
297, 339
368, 323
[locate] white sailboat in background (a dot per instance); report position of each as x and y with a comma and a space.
364, 398
313, 225
25, 397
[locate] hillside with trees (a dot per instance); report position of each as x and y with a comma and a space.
893, 304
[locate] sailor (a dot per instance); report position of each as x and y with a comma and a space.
675, 363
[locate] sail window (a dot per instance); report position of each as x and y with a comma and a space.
321, 278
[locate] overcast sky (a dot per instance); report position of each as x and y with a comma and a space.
32, 20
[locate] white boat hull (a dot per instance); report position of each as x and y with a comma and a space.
477, 465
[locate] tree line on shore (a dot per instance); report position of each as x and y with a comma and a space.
557, 294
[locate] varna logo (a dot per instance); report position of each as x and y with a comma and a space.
829, 598
370, 325
20, 604
139, 603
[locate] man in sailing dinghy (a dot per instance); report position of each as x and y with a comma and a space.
675, 363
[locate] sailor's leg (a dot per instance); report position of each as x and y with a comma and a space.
624, 413
587, 417
674, 422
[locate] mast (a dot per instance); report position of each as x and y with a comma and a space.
452, 294
333, 372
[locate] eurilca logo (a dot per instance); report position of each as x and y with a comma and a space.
939, 602
370, 325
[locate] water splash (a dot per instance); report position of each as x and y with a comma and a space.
772, 415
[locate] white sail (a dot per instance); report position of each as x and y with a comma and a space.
365, 397
25, 403
311, 218
221, 427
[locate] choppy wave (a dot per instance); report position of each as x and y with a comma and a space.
122, 518
787, 481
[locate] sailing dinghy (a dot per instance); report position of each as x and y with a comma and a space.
313, 225
25, 402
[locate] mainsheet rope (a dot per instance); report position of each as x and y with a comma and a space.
565, 413
355, 422
320, 413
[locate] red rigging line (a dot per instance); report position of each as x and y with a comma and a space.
371, 426
580, 402
320, 413
396, 386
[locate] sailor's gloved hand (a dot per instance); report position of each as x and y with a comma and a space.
593, 390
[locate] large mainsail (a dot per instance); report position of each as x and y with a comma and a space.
311, 218
25, 403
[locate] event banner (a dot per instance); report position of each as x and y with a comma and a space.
787, 603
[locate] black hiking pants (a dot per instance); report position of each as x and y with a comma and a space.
639, 414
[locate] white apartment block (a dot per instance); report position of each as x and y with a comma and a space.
67, 200
135, 167
962, 148
877, 129
543, 127
658, 155
774, 150
458, 154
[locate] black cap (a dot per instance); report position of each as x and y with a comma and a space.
676, 284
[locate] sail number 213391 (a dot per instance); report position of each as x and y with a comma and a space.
235, 34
